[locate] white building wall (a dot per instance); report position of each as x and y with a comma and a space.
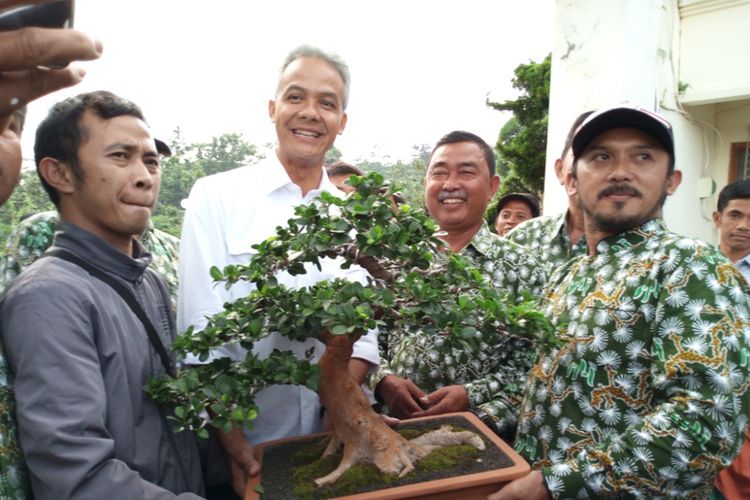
608, 51
715, 50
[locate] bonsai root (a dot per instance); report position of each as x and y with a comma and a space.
364, 435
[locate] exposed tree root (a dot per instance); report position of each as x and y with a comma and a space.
364, 435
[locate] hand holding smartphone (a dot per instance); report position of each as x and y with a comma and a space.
33, 61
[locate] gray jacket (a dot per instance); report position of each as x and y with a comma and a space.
81, 359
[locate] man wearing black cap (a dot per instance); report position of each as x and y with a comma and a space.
514, 208
86, 326
648, 396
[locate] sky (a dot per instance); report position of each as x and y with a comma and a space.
419, 68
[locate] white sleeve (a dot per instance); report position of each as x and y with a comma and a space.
202, 245
366, 348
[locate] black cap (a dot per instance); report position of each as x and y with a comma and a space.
530, 200
162, 148
624, 115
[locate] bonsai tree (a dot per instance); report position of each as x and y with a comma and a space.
413, 285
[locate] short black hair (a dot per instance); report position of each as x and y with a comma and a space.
60, 134
461, 136
733, 191
572, 132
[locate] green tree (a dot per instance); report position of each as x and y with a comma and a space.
332, 156
522, 142
190, 162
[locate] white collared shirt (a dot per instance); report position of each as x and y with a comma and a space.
226, 214
744, 266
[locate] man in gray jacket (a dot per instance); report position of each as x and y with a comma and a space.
80, 352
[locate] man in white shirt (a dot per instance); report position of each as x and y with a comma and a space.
229, 212
732, 219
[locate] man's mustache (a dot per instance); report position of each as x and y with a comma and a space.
462, 195
619, 189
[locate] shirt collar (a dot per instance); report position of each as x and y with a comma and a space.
745, 260
482, 240
101, 254
275, 177
561, 224
631, 237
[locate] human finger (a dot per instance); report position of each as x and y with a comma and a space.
18, 88
390, 421
30, 47
403, 405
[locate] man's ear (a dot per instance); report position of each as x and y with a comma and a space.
272, 110
342, 126
559, 171
57, 174
571, 184
717, 219
494, 185
673, 181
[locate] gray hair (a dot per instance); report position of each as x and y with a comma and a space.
333, 59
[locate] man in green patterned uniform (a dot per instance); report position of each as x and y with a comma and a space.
556, 238
648, 397
422, 375
33, 235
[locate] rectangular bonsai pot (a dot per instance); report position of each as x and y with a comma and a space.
466, 487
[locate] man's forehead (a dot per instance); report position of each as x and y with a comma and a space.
738, 205
304, 70
458, 152
122, 129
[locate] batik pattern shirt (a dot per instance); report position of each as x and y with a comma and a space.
28, 241
547, 236
14, 482
493, 375
648, 397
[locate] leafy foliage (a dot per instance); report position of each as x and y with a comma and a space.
413, 285
522, 142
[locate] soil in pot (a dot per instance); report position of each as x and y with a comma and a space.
300, 460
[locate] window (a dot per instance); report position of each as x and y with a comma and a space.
739, 162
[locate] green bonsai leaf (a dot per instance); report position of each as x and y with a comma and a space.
412, 285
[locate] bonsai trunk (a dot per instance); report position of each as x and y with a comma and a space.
364, 435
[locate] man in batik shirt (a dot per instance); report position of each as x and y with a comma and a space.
647, 398
33, 235
732, 219
555, 239
423, 375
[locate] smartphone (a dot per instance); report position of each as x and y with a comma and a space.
57, 14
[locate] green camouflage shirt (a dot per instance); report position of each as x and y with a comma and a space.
649, 395
547, 236
28, 242
494, 376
